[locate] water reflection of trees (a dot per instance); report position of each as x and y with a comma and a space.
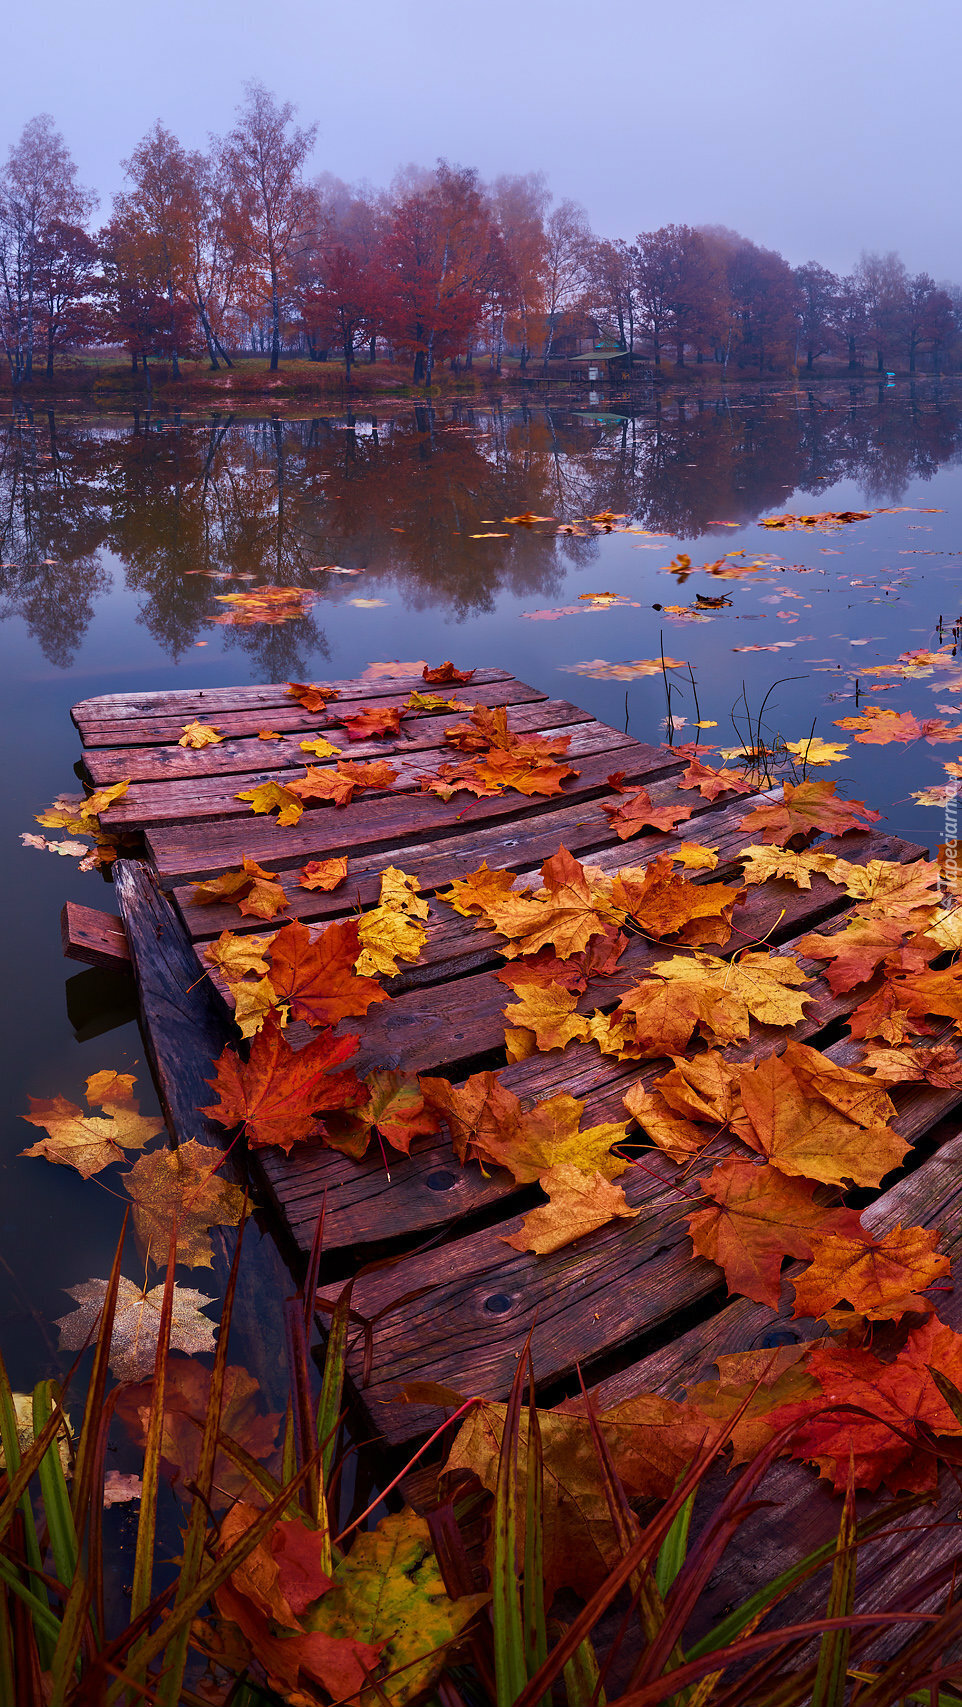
191, 509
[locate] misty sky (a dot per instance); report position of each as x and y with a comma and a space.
818, 127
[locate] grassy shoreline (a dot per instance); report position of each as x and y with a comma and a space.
112, 382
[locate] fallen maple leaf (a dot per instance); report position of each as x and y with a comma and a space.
855, 953
379, 720
398, 1109
199, 735
635, 812
266, 796
879, 1280
759, 863
757, 1218
901, 1393
471, 894
133, 1344
319, 747
578, 1204
444, 673
939, 1064
806, 807
664, 903
808, 1116
251, 888
679, 1137
547, 1013
877, 725
323, 874
187, 1389
711, 782
236, 956
389, 1593
316, 975
572, 911
412, 667
180, 1190
90, 1142
275, 1095
342, 781
392, 930
313, 696
700, 990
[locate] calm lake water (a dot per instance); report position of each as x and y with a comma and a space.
117, 536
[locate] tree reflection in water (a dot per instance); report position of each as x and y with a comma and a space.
191, 508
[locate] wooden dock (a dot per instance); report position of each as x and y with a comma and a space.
629, 1306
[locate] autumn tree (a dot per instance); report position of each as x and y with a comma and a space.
883, 282
568, 239
266, 152
439, 257
160, 212
929, 317
217, 269
519, 205
66, 280
613, 289
818, 301
38, 188
764, 298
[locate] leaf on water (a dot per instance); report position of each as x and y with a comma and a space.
136, 1324
91, 1142
181, 1188
815, 751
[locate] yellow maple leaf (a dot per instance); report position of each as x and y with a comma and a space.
235, 956
86, 1141
694, 857
578, 1204
268, 795
252, 1004
761, 861
815, 751
320, 748
548, 1012
199, 735
392, 930
569, 911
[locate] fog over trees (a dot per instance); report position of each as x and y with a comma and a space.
237, 249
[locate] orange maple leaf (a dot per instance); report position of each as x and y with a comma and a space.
323, 874
758, 1217
879, 1279
570, 913
342, 781
313, 696
381, 720
276, 1094
316, 975
877, 726
635, 812
711, 782
803, 808
808, 1116
663, 903
855, 953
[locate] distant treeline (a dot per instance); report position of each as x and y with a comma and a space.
236, 250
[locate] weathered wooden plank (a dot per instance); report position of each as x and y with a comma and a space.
185, 800
106, 765
798, 1512
359, 1207
186, 1023
196, 702
94, 937
482, 1298
584, 830
204, 850
290, 718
